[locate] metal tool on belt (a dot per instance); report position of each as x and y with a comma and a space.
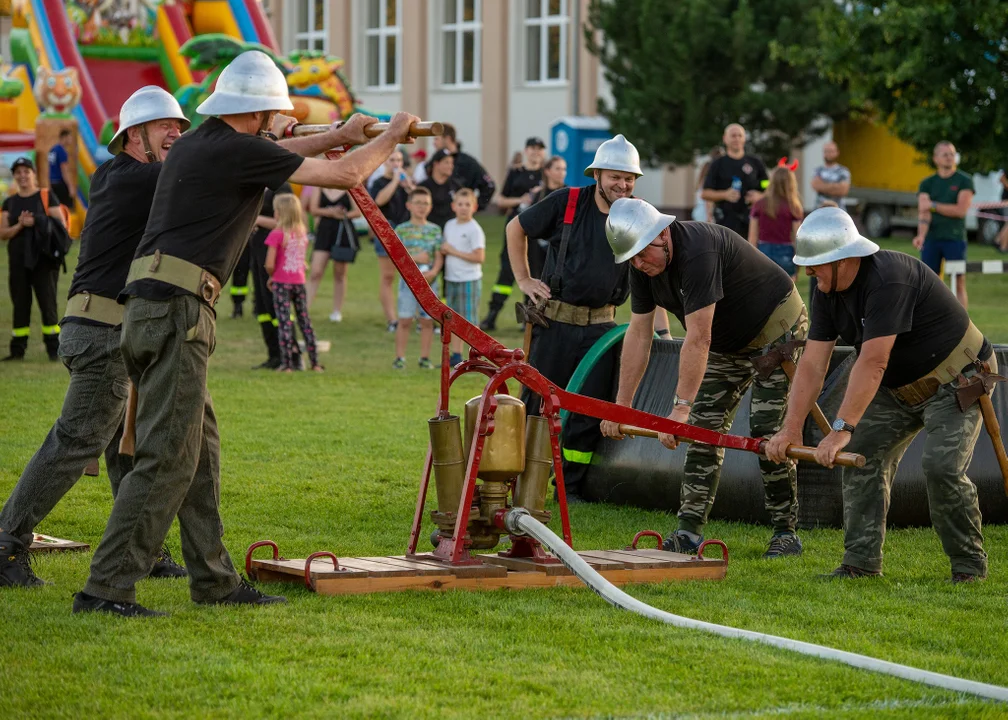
978, 388
780, 357
530, 314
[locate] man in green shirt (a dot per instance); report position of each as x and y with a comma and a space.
942, 202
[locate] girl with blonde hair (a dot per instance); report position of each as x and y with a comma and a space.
774, 219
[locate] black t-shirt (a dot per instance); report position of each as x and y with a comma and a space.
518, 182
395, 209
470, 174
748, 170
22, 248
208, 196
711, 265
894, 294
441, 195
122, 191
590, 276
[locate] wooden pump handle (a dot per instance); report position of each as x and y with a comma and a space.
795, 452
417, 129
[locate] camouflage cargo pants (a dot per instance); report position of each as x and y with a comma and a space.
882, 436
728, 377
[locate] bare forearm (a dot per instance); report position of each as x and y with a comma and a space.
312, 145
865, 378
633, 361
713, 195
265, 221
805, 389
503, 201
952, 210
517, 245
692, 366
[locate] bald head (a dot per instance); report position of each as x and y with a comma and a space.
734, 140
945, 157
830, 152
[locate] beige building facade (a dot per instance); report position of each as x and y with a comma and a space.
499, 70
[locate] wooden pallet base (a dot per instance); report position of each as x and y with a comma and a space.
47, 543
423, 572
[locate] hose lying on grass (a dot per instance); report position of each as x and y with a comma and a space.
520, 522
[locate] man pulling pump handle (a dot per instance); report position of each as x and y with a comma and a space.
207, 200
916, 349
743, 319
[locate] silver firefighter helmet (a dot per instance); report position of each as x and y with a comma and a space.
618, 154
146, 104
827, 235
251, 83
632, 225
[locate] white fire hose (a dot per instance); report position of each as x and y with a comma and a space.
520, 522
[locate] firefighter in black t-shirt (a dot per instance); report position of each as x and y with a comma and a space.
207, 200
122, 190
734, 182
579, 290
914, 344
737, 307
22, 220
515, 196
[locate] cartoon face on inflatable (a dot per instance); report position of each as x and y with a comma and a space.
57, 92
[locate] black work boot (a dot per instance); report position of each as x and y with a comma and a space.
489, 323
166, 567
83, 603
849, 572
239, 309
783, 544
15, 564
245, 594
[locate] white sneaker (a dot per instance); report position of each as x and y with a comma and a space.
336, 316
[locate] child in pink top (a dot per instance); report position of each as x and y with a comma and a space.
285, 262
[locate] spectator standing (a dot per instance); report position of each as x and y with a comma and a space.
61, 178
336, 240
420, 171
442, 184
515, 196
942, 202
464, 250
23, 217
467, 171
775, 218
1002, 240
262, 296
703, 210
391, 193
287, 244
422, 240
734, 182
831, 180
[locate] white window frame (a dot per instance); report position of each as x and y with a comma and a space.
383, 32
310, 36
460, 27
545, 22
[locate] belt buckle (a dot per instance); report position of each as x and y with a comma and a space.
582, 314
87, 301
208, 289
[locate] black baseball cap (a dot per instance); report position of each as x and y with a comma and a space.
22, 162
535, 142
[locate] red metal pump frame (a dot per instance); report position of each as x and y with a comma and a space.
500, 364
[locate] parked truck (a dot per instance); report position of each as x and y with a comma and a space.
885, 175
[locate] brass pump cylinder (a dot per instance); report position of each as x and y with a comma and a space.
503, 454
533, 484
448, 460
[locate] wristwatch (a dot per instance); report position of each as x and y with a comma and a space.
841, 425
682, 401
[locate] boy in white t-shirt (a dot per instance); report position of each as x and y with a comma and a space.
464, 251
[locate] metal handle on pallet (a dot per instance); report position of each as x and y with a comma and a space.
646, 533
309, 583
252, 549
719, 543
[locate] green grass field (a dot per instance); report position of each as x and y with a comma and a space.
332, 462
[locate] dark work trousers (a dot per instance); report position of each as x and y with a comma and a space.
166, 346
240, 277
504, 286
89, 423
556, 352
262, 298
41, 279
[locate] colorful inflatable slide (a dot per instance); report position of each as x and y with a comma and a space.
115, 47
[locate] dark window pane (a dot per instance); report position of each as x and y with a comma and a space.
390, 58
320, 14
553, 37
448, 74
373, 13
532, 8
390, 13
373, 76
320, 44
449, 11
468, 56
469, 10
554, 7
302, 16
532, 53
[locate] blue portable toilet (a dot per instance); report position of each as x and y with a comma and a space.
575, 139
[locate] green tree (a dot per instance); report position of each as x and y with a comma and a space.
681, 70
931, 69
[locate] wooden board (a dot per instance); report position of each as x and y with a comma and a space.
423, 572
47, 543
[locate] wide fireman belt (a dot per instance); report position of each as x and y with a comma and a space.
578, 314
178, 272
948, 371
781, 320
94, 307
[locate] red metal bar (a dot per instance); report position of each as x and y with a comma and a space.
719, 543
252, 549
309, 583
646, 533
421, 500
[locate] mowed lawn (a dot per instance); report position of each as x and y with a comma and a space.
332, 462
